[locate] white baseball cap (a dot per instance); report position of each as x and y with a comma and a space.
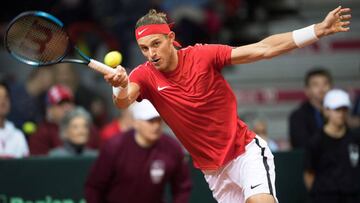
143, 110
336, 98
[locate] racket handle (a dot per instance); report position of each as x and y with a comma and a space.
100, 67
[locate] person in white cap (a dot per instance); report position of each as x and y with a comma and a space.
332, 171
136, 165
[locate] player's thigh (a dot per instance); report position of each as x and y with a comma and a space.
254, 171
224, 190
261, 198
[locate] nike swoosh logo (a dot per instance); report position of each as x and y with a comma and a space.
252, 187
140, 32
161, 88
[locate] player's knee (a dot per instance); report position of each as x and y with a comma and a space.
261, 198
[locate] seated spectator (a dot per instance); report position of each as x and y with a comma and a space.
60, 100
332, 170
92, 101
75, 132
260, 128
12, 141
122, 123
307, 119
144, 159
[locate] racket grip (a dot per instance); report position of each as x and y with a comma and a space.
100, 67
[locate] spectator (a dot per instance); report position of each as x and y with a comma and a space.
143, 159
260, 128
27, 99
332, 159
65, 74
75, 132
307, 119
60, 100
122, 123
12, 140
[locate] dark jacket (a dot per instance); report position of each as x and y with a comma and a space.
304, 122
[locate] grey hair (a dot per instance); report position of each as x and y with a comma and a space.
69, 116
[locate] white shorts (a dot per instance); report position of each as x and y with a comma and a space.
250, 173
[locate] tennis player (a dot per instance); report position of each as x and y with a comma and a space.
187, 89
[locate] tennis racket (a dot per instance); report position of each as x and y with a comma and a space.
38, 38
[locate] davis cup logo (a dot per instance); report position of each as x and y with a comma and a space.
353, 154
157, 171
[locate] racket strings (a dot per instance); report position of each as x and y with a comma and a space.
36, 39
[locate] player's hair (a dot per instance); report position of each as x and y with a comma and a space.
152, 17
319, 71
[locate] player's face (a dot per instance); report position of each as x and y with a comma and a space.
150, 130
317, 88
4, 102
159, 50
77, 131
337, 117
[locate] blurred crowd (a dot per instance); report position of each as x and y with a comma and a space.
40, 102
53, 113
97, 23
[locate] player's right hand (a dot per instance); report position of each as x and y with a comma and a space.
337, 20
119, 78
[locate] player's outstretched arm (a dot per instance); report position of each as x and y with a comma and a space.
124, 93
337, 20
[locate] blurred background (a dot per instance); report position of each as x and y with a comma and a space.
268, 90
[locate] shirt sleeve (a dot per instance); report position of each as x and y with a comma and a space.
220, 55
19, 145
23, 147
138, 76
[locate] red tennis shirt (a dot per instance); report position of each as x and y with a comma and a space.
198, 104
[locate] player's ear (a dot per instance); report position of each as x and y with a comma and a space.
171, 36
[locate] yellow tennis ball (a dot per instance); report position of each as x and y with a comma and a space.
113, 58
29, 127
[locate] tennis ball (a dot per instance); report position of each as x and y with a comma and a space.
113, 58
29, 127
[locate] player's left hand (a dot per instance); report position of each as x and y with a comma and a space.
337, 20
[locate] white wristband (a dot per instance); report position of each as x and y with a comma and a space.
305, 36
120, 92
